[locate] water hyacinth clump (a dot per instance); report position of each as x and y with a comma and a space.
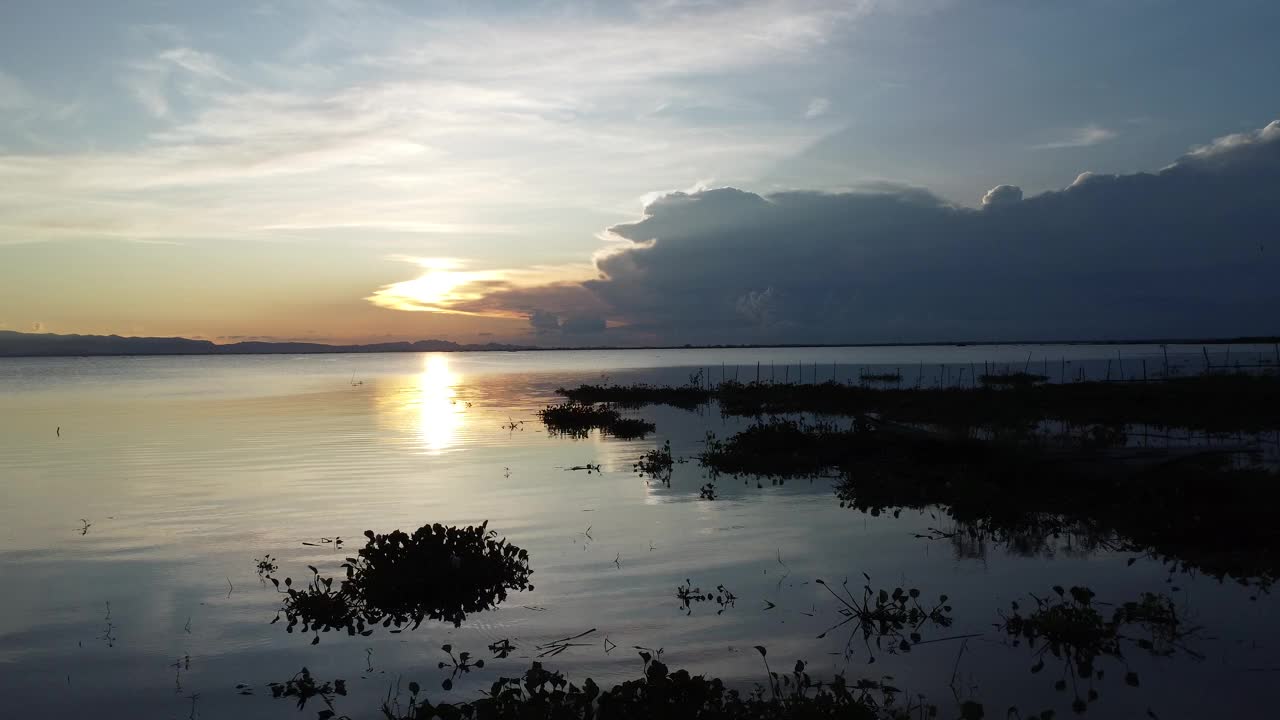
400, 579
578, 420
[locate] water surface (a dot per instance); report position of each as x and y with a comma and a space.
135, 494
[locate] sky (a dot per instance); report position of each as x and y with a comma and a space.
650, 172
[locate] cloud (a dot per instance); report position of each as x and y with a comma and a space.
544, 322
382, 119
1079, 137
1176, 253
446, 286
757, 306
13, 94
1002, 195
817, 107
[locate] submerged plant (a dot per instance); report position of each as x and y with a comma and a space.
398, 580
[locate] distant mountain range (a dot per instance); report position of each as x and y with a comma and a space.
17, 344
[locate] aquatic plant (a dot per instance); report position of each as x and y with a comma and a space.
1012, 380
1072, 628
1205, 516
662, 693
461, 665
502, 648
657, 464
780, 447
688, 595
893, 377
399, 580
577, 420
625, 428
687, 397
555, 647
304, 688
892, 620
1215, 403
266, 566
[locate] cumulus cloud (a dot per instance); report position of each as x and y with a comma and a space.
1002, 195
1178, 252
544, 322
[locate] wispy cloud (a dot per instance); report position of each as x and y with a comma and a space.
1086, 136
383, 121
817, 107
13, 94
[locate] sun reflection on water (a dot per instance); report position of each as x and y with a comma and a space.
438, 413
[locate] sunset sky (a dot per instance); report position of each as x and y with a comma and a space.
568, 173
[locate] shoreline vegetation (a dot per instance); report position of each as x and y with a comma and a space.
19, 344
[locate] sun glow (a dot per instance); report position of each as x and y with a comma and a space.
445, 287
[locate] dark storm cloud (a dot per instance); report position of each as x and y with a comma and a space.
1189, 250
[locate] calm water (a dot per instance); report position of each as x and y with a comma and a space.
187, 469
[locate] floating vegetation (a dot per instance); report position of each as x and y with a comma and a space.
781, 448
657, 464
688, 595
707, 492
588, 467
1216, 403
108, 635
1200, 512
1204, 516
502, 649
893, 377
661, 693
629, 428
399, 580
304, 688
266, 566
1073, 629
577, 420
1012, 380
335, 541
555, 647
460, 665
687, 397
892, 620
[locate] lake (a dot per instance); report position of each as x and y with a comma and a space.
137, 493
